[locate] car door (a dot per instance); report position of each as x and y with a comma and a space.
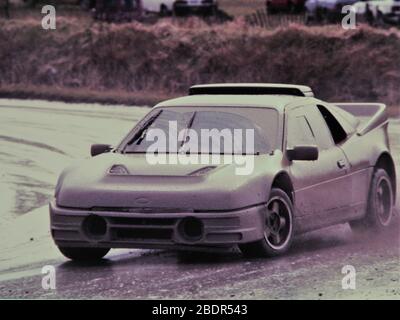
321, 187
358, 174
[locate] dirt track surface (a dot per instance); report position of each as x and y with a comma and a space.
38, 139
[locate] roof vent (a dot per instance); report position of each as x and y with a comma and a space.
252, 89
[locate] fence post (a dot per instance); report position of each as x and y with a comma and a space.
258, 19
254, 18
264, 19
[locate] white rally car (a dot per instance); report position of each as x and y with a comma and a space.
379, 10
166, 7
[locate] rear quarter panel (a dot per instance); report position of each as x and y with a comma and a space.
363, 153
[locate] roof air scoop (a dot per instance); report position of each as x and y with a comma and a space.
252, 89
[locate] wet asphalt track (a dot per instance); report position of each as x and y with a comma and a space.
38, 140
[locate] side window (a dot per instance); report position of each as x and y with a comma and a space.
337, 131
319, 127
299, 131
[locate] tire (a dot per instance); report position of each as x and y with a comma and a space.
84, 254
379, 215
278, 228
164, 11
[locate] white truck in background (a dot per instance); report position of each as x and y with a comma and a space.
162, 7
167, 7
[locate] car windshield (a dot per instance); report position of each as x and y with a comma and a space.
205, 130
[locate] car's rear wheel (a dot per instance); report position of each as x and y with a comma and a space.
379, 215
278, 227
84, 254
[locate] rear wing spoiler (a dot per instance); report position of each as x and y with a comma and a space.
375, 114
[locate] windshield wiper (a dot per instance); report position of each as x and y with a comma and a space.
189, 126
141, 134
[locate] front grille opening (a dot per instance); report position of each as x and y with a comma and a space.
143, 221
143, 234
191, 229
95, 227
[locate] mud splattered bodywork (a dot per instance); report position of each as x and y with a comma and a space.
316, 170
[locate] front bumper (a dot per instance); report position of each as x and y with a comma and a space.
156, 229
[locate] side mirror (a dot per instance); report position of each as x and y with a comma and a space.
303, 153
97, 149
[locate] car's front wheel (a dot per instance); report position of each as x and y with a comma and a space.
84, 254
379, 213
278, 227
